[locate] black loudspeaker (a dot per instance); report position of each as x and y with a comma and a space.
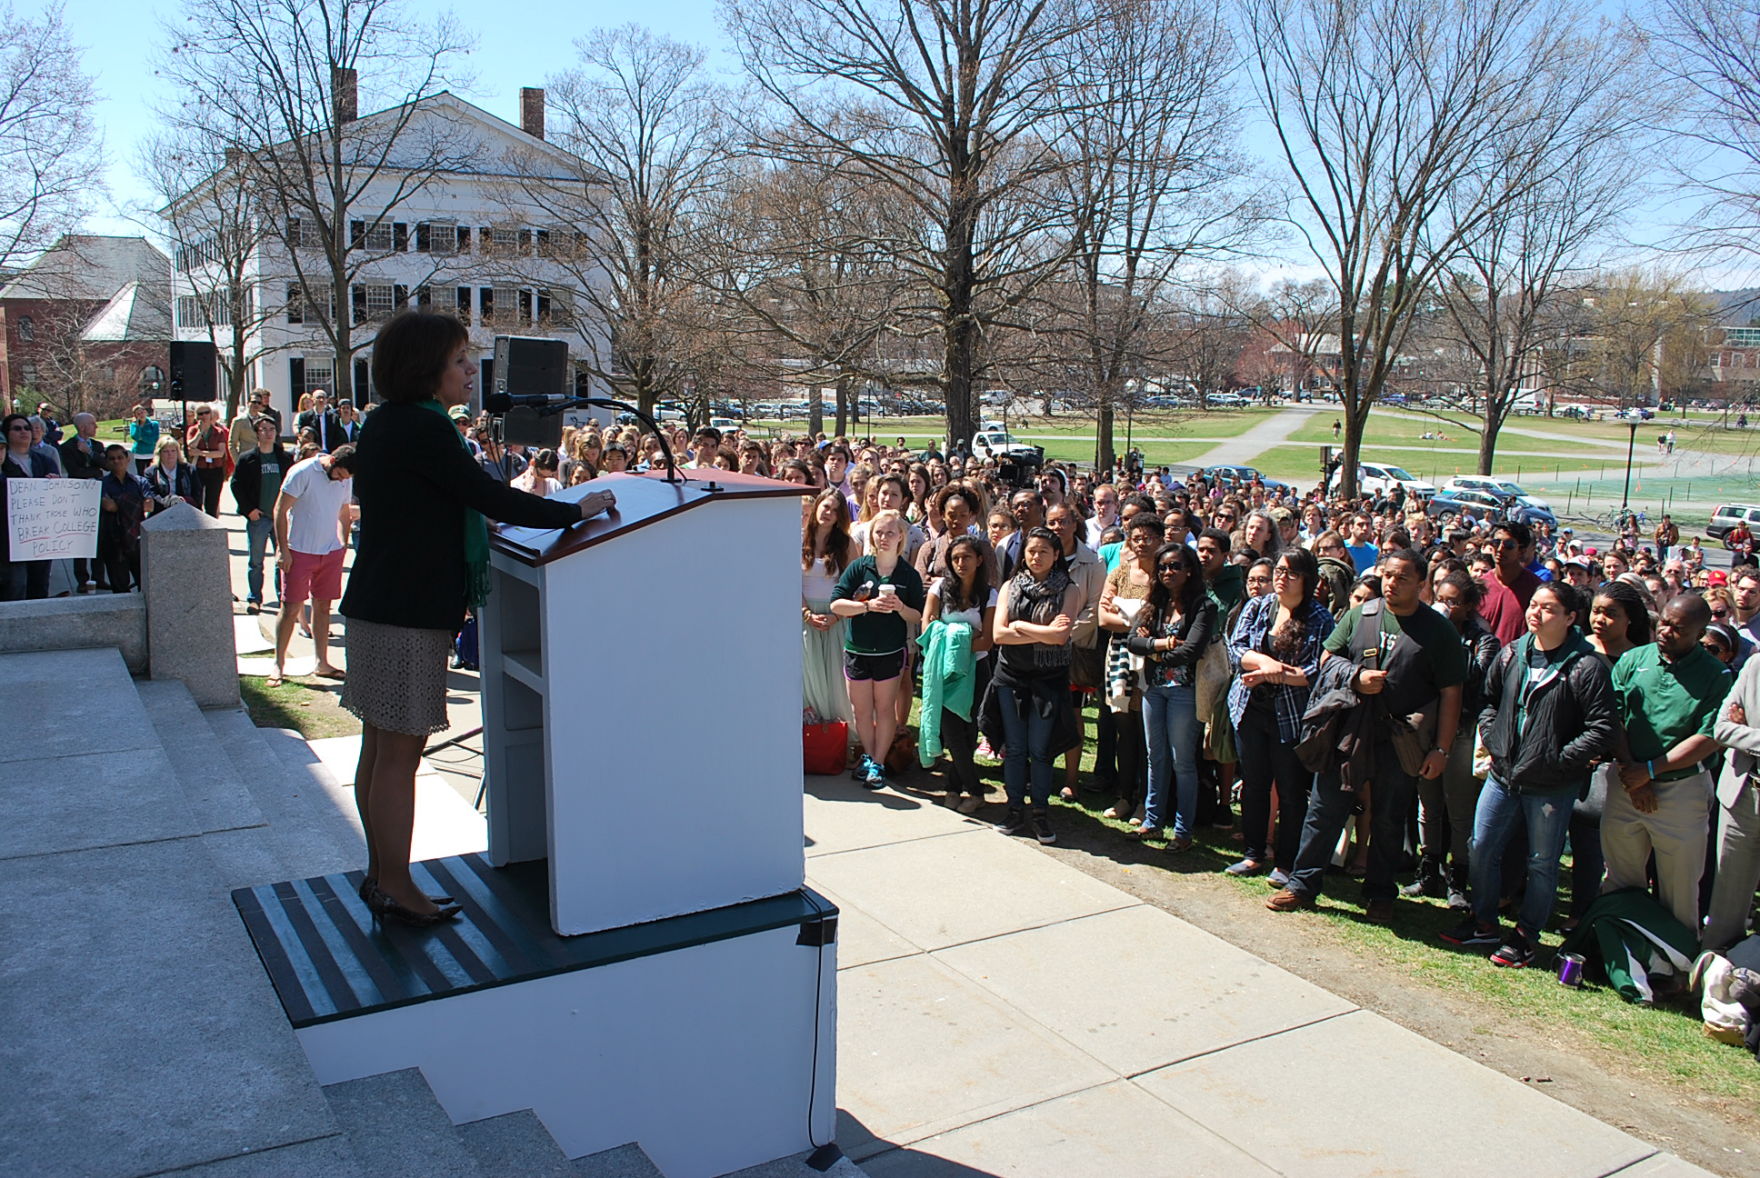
192, 371
532, 367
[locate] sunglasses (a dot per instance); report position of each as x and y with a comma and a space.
1170, 568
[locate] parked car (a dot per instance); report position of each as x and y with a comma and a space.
1445, 507
1377, 476
1727, 515
1502, 488
1240, 474
1226, 401
993, 441
726, 424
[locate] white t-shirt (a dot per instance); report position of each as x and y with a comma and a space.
972, 617
312, 526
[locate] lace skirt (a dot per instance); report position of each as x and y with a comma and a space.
397, 677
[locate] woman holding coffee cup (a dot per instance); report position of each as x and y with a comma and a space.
882, 596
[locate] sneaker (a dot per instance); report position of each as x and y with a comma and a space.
1042, 829
876, 778
1471, 934
251, 607
1244, 867
860, 771
1014, 822
970, 804
1279, 878
1178, 844
1457, 901
1379, 911
1516, 952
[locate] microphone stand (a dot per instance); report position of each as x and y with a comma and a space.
558, 406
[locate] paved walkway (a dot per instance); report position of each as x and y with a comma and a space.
1255, 441
1001, 1013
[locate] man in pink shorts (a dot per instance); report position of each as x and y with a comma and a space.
312, 520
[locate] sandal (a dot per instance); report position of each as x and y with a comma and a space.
336, 673
276, 679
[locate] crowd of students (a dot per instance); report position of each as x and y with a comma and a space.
1439, 711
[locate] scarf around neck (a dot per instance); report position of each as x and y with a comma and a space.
1038, 602
476, 530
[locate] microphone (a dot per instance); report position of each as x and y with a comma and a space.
502, 402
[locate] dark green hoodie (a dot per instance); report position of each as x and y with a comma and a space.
1227, 588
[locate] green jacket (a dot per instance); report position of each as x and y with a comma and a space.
1633, 936
949, 664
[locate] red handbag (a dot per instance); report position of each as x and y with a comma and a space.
825, 748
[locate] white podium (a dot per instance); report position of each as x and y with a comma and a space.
641, 700
638, 959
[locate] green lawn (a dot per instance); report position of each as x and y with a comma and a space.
1391, 427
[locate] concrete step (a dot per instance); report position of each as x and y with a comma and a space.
397, 1129
234, 832
799, 1166
515, 1145
309, 831
626, 1161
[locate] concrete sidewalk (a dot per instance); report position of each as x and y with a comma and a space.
1248, 446
1001, 1013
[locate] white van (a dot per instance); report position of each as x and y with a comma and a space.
1373, 477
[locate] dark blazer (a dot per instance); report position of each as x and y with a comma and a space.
414, 480
10, 469
330, 436
76, 464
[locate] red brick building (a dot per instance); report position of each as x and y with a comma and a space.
84, 326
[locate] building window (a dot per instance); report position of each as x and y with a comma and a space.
486, 305
26, 329
305, 306
372, 302
303, 233
296, 305
27, 373
377, 237
462, 303
525, 307
438, 237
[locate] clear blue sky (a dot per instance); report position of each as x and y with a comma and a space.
120, 41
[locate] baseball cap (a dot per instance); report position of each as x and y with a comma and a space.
459, 413
1591, 551
1717, 577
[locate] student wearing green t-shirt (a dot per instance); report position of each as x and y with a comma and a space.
1668, 694
882, 597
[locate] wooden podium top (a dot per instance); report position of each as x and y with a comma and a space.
642, 499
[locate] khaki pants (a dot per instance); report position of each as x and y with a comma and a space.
1677, 831
1738, 870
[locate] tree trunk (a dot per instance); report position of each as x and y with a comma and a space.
958, 361
842, 405
1103, 454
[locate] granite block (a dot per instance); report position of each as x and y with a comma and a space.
71, 702
86, 621
104, 799
216, 798
186, 579
398, 1130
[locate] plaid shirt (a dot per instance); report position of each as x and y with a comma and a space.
1252, 632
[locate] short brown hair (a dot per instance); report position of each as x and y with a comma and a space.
411, 351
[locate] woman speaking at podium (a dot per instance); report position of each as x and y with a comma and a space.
423, 559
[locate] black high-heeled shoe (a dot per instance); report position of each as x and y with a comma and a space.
370, 885
383, 907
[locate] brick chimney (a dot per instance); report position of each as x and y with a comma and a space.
344, 92
531, 111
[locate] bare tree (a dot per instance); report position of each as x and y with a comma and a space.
279, 83
217, 232
1499, 296
803, 256
50, 152
1149, 126
947, 106
1711, 49
1640, 336
1404, 123
645, 127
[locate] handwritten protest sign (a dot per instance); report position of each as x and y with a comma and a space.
52, 518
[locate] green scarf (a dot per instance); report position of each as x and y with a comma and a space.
476, 532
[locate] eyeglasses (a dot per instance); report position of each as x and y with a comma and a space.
1164, 569
1505, 544
1720, 613
1280, 571
18, 425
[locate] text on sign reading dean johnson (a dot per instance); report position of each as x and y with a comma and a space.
51, 519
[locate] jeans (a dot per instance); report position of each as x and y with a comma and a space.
1172, 734
1027, 729
260, 538
24, 580
1549, 819
1329, 812
1268, 762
